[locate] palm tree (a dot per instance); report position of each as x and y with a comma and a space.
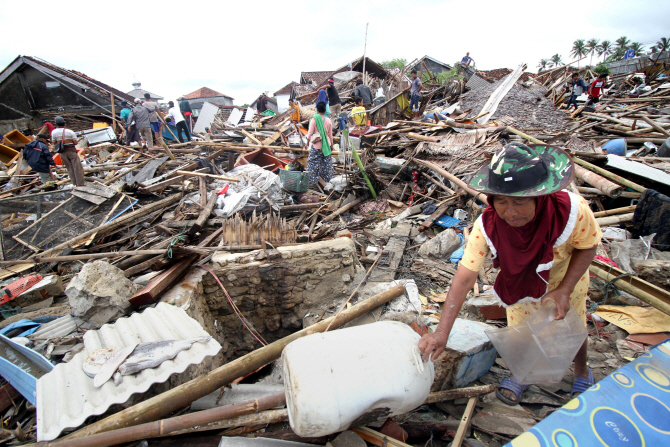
542, 65
591, 47
605, 49
623, 43
556, 60
578, 49
652, 50
662, 45
637, 47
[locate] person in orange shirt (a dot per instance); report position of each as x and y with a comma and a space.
295, 115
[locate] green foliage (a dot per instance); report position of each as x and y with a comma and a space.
601, 69
638, 47
394, 63
542, 65
623, 43
578, 48
556, 60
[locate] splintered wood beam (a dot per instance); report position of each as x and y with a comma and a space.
152, 291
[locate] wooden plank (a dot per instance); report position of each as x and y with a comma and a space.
8, 395
204, 215
465, 422
152, 291
376, 438
162, 185
89, 197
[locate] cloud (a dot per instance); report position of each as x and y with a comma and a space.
244, 48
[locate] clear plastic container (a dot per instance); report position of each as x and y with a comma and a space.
541, 349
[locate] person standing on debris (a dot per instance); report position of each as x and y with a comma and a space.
320, 137
140, 115
597, 89
69, 153
333, 99
467, 60
132, 134
578, 87
363, 91
295, 115
179, 122
358, 115
323, 97
542, 240
152, 107
187, 112
415, 95
47, 127
37, 155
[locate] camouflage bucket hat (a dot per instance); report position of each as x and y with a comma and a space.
520, 170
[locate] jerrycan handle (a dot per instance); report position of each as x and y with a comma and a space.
543, 317
418, 359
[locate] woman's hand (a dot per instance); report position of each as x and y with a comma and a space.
560, 297
433, 344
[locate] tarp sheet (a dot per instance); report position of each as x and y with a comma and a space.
629, 407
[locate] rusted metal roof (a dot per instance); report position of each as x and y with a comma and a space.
66, 396
205, 92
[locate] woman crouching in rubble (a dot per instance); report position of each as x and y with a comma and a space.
541, 238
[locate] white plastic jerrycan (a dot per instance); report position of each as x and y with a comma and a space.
332, 379
541, 349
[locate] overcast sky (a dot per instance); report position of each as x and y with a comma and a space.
243, 48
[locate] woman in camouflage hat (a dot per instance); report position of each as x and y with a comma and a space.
541, 239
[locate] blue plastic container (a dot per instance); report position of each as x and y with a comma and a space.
616, 147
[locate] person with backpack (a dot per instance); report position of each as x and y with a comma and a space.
320, 137
37, 155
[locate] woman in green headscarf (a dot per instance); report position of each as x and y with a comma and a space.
320, 137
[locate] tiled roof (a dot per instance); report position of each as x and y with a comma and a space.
316, 77
225, 111
286, 90
205, 92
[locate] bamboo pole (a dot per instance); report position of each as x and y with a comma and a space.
605, 173
249, 420
478, 195
417, 136
178, 397
459, 393
523, 135
625, 209
341, 210
656, 126
112, 254
623, 284
164, 426
614, 220
202, 174
607, 187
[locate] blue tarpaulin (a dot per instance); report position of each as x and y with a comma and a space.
168, 136
630, 407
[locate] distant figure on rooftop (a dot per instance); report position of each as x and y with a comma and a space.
416, 95
578, 87
178, 120
467, 60
187, 112
363, 91
597, 89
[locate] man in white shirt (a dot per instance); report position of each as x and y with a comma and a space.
69, 154
179, 122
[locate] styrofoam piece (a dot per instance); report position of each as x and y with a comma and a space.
66, 396
478, 354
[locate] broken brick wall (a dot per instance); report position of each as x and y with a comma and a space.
273, 289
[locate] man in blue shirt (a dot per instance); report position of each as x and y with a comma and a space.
578, 87
37, 155
467, 60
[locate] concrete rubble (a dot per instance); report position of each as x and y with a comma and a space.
225, 231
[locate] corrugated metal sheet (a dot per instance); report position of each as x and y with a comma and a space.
66, 396
615, 161
59, 327
205, 118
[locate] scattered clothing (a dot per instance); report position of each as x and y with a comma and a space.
652, 215
363, 91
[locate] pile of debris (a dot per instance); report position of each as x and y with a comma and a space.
173, 280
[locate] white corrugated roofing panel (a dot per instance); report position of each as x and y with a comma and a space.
66, 396
640, 169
